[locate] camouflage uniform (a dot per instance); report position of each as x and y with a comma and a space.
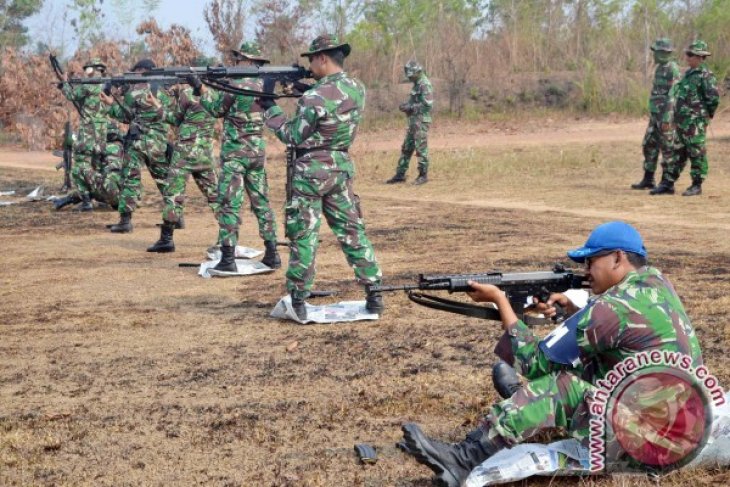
322, 130
661, 113
697, 99
242, 162
149, 147
107, 184
642, 312
91, 137
418, 108
193, 154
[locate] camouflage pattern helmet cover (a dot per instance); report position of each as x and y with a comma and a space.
412, 68
327, 42
250, 50
698, 48
662, 44
95, 63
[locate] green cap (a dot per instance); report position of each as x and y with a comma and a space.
327, 42
412, 68
698, 48
95, 63
250, 50
662, 44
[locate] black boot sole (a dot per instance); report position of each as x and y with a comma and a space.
417, 444
161, 250
273, 265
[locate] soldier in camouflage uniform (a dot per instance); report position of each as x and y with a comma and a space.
243, 161
418, 109
634, 309
659, 135
145, 142
91, 137
322, 131
193, 155
697, 99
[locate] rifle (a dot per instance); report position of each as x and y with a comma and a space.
517, 286
67, 155
59, 74
216, 76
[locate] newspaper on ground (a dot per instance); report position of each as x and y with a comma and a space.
245, 267
214, 253
7, 193
342, 312
36, 194
568, 457
8, 203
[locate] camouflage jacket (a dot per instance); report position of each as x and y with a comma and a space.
324, 126
243, 119
420, 101
642, 312
195, 124
87, 97
132, 108
696, 95
661, 101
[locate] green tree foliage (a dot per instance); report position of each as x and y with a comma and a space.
12, 14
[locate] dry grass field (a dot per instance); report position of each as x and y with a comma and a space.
117, 367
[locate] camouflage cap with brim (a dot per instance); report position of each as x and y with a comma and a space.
662, 44
250, 50
95, 63
698, 48
327, 42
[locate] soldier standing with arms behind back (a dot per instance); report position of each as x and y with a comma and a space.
659, 135
696, 99
322, 131
418, 109
243, 159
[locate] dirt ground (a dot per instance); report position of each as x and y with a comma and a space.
118, 367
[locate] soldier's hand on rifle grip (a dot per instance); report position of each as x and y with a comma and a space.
151, 100
106, 98
195, 82
557, 307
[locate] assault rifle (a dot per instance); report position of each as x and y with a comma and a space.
67, 155
59, 74
517, 286
217, 76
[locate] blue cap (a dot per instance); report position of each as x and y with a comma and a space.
610, 236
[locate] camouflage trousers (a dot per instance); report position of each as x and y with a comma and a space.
241, 174
554, 397
195, 161
690, 144
83, 172
108, 184
416, 140
657, 141
150, 151
333, 197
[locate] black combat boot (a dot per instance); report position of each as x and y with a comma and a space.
505, 379
695, 189
665, 187
124, 225
400, 177
271, 256
179, 224
374, 303
69, 199
422, 177
228, 259
451, 462
299, 307
165, 243
646, 183
86, 203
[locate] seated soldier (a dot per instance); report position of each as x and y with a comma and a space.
634, 309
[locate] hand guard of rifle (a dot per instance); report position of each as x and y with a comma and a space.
266, 102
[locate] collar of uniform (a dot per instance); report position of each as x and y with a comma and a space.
634, 276
331, 77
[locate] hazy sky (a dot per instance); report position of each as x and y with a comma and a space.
47, 26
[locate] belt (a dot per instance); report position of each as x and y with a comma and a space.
302, 152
